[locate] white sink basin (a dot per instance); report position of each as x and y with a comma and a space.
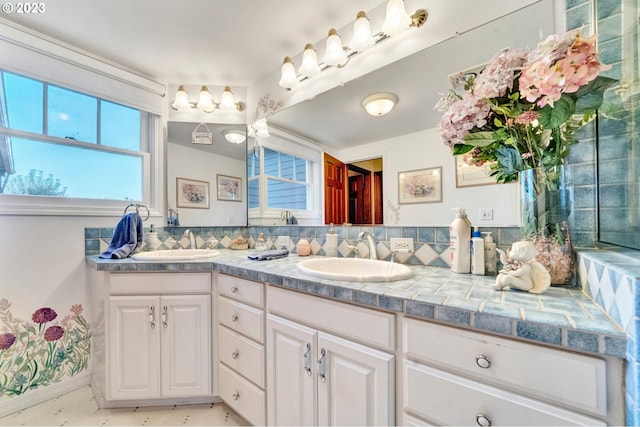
354, 269
175, 255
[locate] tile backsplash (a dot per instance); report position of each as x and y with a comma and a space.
431, 244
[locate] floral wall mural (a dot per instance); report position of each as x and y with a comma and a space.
42, 351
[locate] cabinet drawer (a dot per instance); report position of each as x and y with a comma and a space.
360, 324
159, 283
242, 290
242, 355
242, 396
241, 318
556, 376
447, 399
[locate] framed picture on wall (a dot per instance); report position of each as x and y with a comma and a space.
470, 175
229, 188
192, 194
420, 186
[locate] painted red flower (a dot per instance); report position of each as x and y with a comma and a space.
44, 315
6, 340
53, 333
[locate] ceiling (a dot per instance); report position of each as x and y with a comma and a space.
237, 42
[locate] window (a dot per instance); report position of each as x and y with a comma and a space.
287, 180
57, 142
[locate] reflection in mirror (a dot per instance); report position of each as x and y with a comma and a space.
217, 169
407, 138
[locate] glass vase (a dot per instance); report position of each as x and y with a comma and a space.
546, 204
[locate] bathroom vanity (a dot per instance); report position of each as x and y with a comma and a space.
284, 349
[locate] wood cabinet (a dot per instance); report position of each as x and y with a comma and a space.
320, 378
156, 338
241, 351
453, 376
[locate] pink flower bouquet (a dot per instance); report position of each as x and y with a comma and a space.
523, 109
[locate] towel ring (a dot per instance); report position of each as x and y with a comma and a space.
138, 206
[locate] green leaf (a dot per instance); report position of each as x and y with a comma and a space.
462, 149
479, 139
509, 163
497, 122
589, 97
553, 117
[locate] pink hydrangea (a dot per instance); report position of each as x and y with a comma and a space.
462, 116
498, 76
527, 117
544, 80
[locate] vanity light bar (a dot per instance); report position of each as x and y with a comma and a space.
340, 58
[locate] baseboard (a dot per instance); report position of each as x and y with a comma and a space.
9, 405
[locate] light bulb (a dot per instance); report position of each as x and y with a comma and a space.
206, 103
226, 100
335, 54
362, 38
397, 20
309, 66
181, 102
288, 79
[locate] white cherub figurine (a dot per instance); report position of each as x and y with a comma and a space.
521, 271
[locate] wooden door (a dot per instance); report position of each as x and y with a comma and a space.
335, 190
377, 198
356, 199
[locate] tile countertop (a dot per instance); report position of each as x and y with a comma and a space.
564, 317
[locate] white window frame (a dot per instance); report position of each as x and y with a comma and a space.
33, 55
288, 143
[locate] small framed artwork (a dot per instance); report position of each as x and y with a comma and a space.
229, 188
192, 194
470, 176
420, 186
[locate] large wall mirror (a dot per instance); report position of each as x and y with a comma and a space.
405, 140
206, 183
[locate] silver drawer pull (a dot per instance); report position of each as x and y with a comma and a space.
234, 318
483, 361
165, 324
234, 290
235, 355
483, 420
306, 359
322, 365
152, 316
235, 396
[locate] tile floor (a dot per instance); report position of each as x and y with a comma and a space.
79, 408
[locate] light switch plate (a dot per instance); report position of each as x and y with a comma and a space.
486, 214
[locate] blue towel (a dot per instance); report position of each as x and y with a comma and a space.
268, 255
127, 237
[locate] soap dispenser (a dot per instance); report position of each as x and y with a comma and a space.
261, 243
152, 241
331, 245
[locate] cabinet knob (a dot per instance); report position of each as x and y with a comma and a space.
235, 355
234, 318
483, 361
235, 396
483, 420
234, 290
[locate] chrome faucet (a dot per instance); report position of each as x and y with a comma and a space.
373, 253
192, 239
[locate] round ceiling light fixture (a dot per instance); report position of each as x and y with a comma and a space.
234, 136
379, 104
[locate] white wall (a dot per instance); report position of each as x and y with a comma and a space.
191, 163
422, 150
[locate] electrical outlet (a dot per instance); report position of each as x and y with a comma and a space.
486, 214
282, 242
398, 243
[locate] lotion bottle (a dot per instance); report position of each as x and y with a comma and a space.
490, 257
331, 246
460, 242
477, 254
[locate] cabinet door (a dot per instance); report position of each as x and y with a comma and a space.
186, 345
291, 367
356, 383
133, 362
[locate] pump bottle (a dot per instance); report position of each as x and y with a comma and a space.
477, 254
459, 242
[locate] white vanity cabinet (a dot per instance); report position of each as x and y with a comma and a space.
241, 351
453, 376
157, 337
322, 368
